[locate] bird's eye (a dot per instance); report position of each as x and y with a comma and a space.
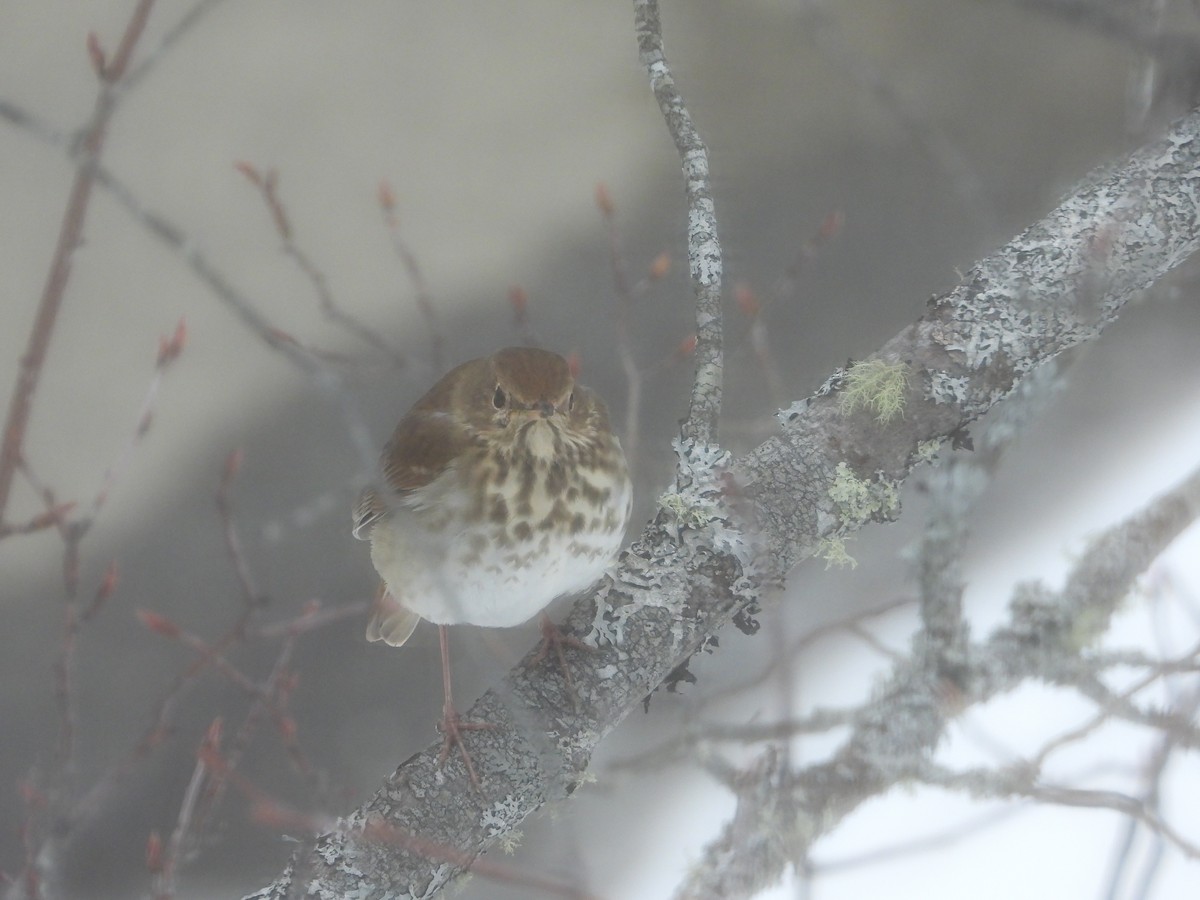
499, 399
571, 402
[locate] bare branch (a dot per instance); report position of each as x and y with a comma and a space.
408, 259
894, 732
1053, 287
69, 236
268, 186
704, 249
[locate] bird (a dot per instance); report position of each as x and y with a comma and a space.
502, 489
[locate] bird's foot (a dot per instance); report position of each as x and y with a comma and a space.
554, 640
452, 727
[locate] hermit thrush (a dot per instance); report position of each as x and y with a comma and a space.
504, 488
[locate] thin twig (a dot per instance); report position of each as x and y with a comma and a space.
408, 259
17, 115
170, 37
268, 187
174, 854
806, 640
518, 301
247, 312
760, 345
311, 620
262, 707
1185, 703
704, 249
625, 294
108, 73
233, 544
169, 349
69, 236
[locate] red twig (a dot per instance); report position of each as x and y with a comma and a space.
164, 861
69, 236
268, 187
104, 590
808, 251
36, 804
113, 71
424, 301
748, 305
753, 308
518, 300
64, 694
162, 717
627, 293
54, 517
625, 297
233, 544
169, 350
73, 533
269, 702
312, 619
212, 656
266, 697
207, 655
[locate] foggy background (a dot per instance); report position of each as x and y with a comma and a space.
937, 128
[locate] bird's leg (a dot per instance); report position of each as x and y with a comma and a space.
452, 724
554, 639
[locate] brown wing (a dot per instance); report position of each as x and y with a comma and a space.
422, 446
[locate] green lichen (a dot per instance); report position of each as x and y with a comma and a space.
833, 551
511, 841
927, 451
860, 501
688, 514
877, 387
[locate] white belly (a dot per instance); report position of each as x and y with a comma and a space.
483, 573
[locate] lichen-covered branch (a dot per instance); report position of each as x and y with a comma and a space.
704, 249
1051, 288
895, 731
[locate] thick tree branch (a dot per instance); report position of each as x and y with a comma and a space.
895, 731
1053, 287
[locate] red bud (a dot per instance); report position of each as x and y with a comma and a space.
233, 464
250, 172
519, 300
604, 199
96, 54
109, 582
53, 516
154, 853
833, 224
287, 728
387, 197
661, 266
159, 624
744, 297
212, 737
170, 348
